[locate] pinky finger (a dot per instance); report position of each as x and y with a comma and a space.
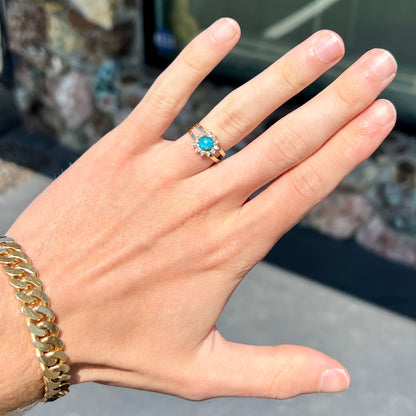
290, 197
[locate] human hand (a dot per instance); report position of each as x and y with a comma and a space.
141, 242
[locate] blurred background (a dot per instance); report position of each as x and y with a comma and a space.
71, 70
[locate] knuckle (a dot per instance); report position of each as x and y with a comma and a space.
347, 95
193, 60
290, 145
307, 183
235, 121
163, 102
353, 139
290, 76
346, 148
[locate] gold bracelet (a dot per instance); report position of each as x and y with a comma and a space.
40, 318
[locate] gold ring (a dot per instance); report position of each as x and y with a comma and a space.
206, 144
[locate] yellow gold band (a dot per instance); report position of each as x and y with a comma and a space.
40, 318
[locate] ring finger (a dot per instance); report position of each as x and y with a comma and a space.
242, 110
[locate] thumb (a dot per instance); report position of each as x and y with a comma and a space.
270, 372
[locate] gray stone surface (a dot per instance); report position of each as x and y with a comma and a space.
273, 306
13, 202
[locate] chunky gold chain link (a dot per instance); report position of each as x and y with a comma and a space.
40, 318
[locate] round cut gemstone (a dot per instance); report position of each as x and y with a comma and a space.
205, 143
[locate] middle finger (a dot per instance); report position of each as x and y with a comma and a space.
301, 133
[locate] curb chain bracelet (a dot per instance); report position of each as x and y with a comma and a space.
40, 318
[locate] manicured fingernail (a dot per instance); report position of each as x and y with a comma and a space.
328, 48
382, 112
224, 29
334, 381
384, 66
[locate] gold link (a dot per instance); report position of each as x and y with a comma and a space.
4, 239
50, 396
41, 346
29, 313
13, 246
19, 255
47, 361
62, 368
19, 284
46, 311
50, 374
64, 377
39, 332
33, 281
52, 340
59, 355
53, 385
50, 326
24, 298
27, 267
5, 260
13, 272
36, 293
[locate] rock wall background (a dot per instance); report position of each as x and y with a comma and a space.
79, 71
77, 62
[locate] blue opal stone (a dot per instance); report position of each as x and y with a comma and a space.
205, 143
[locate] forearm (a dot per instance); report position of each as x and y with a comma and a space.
20, 374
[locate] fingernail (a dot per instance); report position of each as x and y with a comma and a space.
224, 29
382, 113
328, 48
384, 66
334, 381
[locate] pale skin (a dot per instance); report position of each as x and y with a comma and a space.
141, 242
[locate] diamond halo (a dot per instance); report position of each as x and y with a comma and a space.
206, 143
212, 150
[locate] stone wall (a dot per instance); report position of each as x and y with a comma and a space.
77, 65
376, 203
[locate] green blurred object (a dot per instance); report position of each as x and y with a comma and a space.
272, 27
